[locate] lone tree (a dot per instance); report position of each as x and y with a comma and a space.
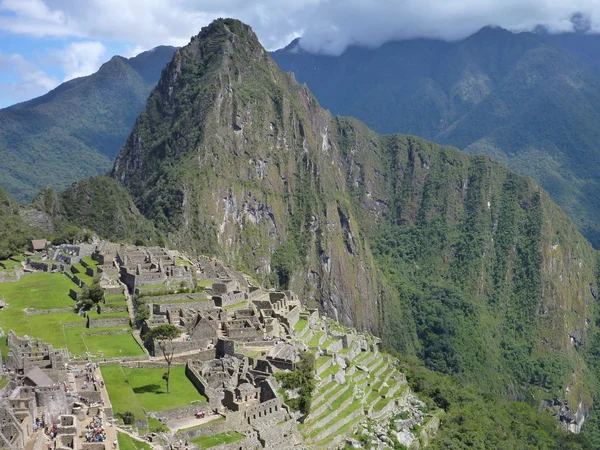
163, 335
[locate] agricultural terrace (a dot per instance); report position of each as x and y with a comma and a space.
41, 292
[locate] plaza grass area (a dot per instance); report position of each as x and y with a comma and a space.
137, 390
43, 291
8, 265
126, 442
218, 439
39, 291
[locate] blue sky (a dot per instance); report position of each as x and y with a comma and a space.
46, 42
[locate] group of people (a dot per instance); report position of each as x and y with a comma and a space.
39, 423
199, 414
88, 374
95, 430
52, 431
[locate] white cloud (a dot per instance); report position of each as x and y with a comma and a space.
326, 25
32, 82
79, 59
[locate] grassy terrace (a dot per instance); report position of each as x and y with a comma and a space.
115, 298
44, 291
8, 265
93, 314
126, 442
89, 262
237, 305
82, 340
137, 390
218, 439
314, 342
322, 360
300, 325
342, 431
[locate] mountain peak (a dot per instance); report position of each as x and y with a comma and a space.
224, 36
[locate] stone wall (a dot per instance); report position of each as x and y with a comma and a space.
207, 429
35, 312
161, 308
108, 322
186, 412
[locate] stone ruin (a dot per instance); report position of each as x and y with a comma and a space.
42, 394
246, 396
144, 266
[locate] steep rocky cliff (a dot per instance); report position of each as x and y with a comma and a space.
233, 158
449, 256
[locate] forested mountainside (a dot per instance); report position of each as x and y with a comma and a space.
76, 129
450, 257
529, 100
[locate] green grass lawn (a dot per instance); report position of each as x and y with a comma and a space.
8, 265
115, 298
90, 262
218, 439
126, 442
93, 314
38, 291
156, 426
113, 345
48, 291
138, 389
314, 342
300, 325
121, 395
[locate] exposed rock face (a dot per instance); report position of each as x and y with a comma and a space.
234, 158
239, 160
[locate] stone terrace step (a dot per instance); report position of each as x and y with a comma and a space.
323, 392
332, 397
339, 418
374, 363
361, 357
330, 442
334, 407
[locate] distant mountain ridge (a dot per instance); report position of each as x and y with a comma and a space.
529, 100
75, 130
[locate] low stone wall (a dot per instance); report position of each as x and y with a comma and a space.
175, 297
113, 309
186, 412
106, 333
161, 308
109, 322
35, 312
93, 445
207, 429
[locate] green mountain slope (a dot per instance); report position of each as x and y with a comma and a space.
75, 130
97, 203
528, 100
450, 257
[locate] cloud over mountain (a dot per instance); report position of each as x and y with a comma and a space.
328, 26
